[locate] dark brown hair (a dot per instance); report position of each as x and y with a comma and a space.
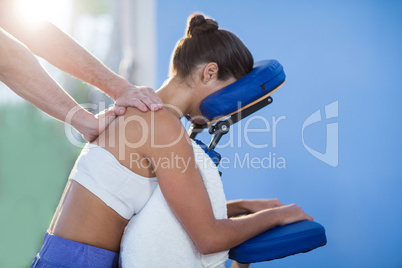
205, 42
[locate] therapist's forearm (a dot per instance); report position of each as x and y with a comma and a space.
47, 41
22, 73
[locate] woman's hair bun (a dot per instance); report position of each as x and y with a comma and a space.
198, 24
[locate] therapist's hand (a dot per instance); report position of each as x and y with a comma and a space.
95, 124
142, 98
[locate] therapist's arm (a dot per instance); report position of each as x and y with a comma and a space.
49, 42
22, 73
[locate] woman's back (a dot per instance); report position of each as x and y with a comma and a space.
117, 186
110, 182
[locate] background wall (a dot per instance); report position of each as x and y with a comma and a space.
345, 51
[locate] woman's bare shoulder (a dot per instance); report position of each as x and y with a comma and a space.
162, 118
156, 129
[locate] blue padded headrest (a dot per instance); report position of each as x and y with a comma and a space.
264, 78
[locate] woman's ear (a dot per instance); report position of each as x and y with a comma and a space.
210, 72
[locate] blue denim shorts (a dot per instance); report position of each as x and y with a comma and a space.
60, 252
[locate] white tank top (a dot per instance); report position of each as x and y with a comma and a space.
118, 187
155, 237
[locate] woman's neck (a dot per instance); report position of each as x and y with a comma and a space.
176, 96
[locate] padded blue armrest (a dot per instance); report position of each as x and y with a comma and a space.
263, 80
280, 242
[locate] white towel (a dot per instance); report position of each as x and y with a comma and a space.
155, 238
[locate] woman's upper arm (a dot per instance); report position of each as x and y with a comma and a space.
172, 157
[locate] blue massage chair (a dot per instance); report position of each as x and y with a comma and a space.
224, 108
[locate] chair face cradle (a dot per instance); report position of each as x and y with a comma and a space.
226, 107
240, 99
